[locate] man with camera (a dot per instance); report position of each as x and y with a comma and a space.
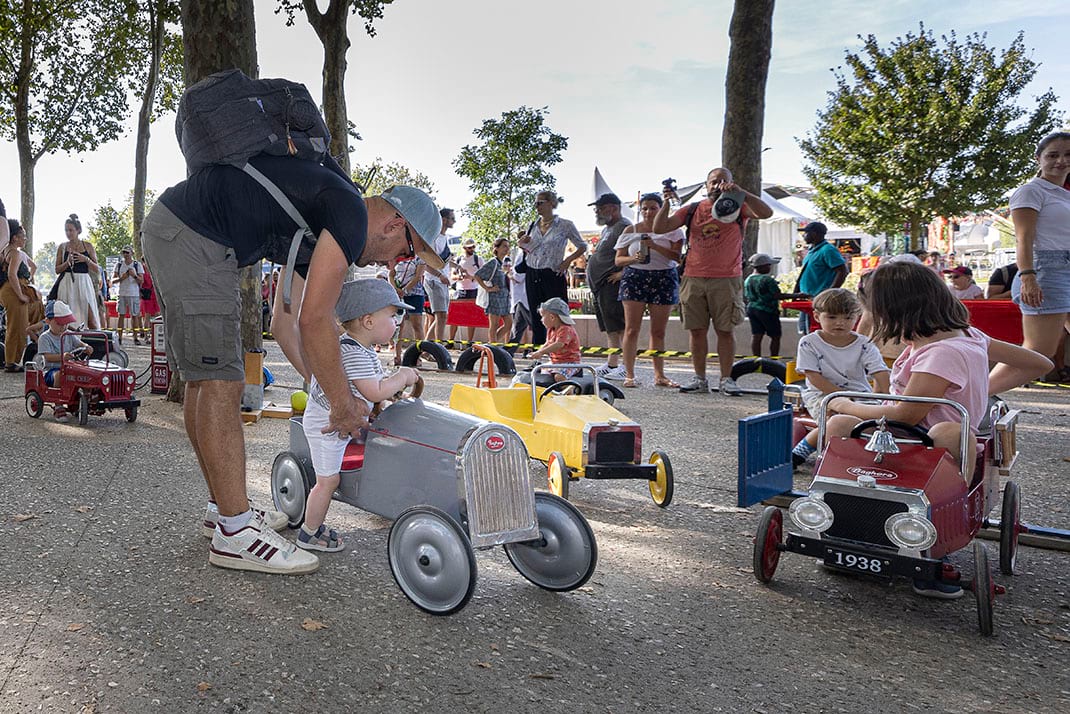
604, 276
712, 286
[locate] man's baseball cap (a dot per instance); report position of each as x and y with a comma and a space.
558, 307
365, 296
128, 249
419, 210
815, 227
606, 199
468, 241
728, 205
960, 270
759, 259
59, 311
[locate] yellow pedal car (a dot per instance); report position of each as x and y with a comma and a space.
575, 435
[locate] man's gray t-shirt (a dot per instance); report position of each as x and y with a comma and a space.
128, 286
601, 262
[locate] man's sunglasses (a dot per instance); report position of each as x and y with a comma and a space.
408, 236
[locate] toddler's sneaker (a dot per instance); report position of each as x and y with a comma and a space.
256, 547
275, 520
728, 386
697, 384
938, 590
602, 370
616, 374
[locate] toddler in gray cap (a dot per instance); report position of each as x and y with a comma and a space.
369, 311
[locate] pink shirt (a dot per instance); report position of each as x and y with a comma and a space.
570, 353
715, 249
961, 360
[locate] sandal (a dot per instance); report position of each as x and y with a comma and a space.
629, 382
324, 539
665, 382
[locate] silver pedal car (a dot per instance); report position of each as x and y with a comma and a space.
451, 483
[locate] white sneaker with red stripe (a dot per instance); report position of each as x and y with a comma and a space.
275, 520
257, 547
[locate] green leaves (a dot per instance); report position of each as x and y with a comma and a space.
507, 168
378, 176
922, 128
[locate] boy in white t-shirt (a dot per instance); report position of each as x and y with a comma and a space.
835, 358
369, 310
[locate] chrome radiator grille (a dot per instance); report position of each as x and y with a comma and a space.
499, 498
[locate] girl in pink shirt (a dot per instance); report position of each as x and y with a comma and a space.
944, 358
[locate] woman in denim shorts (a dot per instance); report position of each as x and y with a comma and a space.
1041, 213
651, 282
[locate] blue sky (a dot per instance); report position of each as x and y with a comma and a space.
638, 87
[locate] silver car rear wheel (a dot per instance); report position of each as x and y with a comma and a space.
290, 486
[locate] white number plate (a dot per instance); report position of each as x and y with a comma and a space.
856, 561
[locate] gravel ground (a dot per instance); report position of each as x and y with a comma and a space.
107, 602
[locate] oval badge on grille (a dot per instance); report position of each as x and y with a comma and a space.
495, 442
879, 474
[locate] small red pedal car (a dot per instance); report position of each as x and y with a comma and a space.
84, 386
885, 502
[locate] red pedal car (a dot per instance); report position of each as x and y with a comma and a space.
84, 386
884, 502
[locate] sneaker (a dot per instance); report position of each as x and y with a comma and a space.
602, 370
614, 373
256, 547
938, 590
275, 520
728, 386
697, 384
797, 460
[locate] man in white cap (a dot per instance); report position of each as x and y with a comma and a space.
129, 275
467, 289
197, 236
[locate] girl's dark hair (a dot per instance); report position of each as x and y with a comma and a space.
908, 300
655, 197
1054, 136
73, 220
13, 227
499, 241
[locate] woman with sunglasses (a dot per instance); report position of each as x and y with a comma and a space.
650, 282
544, 243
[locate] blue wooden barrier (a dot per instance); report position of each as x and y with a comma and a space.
765, 451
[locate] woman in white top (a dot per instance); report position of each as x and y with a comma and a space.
649, 282
544, 243
1041, 213
75, 260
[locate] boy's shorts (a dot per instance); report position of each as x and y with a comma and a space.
327, 450
763, 322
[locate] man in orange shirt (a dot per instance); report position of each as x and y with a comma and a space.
712, 285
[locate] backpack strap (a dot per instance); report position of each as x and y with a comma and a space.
302, 228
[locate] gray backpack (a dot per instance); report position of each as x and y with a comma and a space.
228, 118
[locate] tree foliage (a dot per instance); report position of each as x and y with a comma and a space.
63, 65
332, 29
507, 169
922, 128
378, 176
45, 258
112, 228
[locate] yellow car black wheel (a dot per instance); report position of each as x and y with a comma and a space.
557, 475
661, 486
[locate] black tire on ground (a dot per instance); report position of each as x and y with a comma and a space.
436, 351
34, 404
1010, 518
131, 413
983, 589
766, 542
83, 408
764, 365
469, 360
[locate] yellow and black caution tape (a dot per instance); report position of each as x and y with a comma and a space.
461, 344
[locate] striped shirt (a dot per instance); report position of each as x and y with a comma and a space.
358, 362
